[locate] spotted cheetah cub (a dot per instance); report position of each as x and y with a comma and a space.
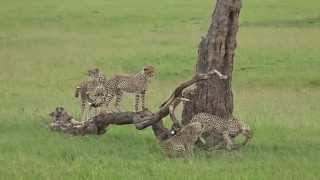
62, 120
137, 84
182, 143
90, 91
224, 129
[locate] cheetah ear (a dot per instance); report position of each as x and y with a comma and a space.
97, 70
148, 68
59, 109
91, 72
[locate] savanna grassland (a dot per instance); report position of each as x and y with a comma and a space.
46, 47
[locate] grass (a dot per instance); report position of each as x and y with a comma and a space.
47, 46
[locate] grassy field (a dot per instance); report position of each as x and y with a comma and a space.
46, 47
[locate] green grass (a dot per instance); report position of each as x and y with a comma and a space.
46, 47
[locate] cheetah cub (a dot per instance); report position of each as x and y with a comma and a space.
225, 129
137, 84
90, 91
182, 143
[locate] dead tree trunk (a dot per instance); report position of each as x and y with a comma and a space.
216, 51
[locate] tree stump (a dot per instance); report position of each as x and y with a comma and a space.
216, 51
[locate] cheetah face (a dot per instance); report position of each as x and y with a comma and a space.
60, 115
101, 78
57, 112
97, 100
94, 73
198, 128
246, 131
149, 71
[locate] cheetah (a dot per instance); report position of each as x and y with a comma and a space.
137, 84
224, 130
60, 115
182, 143
62, 120
90, 91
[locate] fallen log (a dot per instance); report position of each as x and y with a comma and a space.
62, 121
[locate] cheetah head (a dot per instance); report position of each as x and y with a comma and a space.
100, 78
149, 70
245, 131
94, 73
198, 128
60, 115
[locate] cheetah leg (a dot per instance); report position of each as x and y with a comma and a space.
83, 108
218, 146
143, 100
96, 111
247, 137
88, 114
236, 146
137, 100
119, 95
227, 140
188, 151
108, 100
102, 108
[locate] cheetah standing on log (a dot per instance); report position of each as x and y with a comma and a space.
137, 84
90, 91
223, 130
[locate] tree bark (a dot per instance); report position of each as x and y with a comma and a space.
216, 51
